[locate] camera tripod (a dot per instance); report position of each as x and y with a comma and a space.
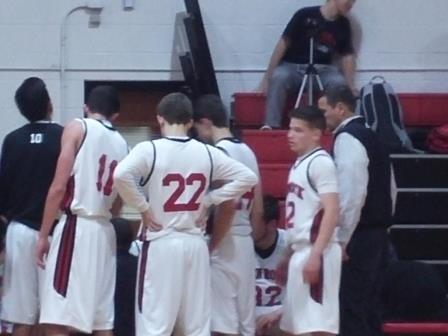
311, 76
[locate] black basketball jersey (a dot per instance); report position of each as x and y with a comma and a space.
27, 166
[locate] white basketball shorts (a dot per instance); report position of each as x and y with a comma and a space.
233, 286
22, 279
312, 308
80, 275
173, 287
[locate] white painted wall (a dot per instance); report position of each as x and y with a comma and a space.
405, 40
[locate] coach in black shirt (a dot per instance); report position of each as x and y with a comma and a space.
332, 37
27, 165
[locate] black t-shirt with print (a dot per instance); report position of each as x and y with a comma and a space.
330, 37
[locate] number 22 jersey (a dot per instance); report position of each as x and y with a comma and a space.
175, 174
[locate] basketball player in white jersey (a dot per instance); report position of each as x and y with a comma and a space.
80, 262
269, 249
232, 264
311, 302
175, 172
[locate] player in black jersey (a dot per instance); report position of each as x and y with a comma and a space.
27, 165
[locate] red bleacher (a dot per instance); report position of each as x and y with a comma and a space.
424, 109
419, 109
415, 328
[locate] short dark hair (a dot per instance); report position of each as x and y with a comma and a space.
32, 99
340, 93
313, 115
103, 99
271, 208
176, 108
123, 231
211, 107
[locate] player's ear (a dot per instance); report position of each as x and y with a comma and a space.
86, 111
114, 116
160, 120
316, 134
189, 124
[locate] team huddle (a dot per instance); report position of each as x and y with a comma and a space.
212, 259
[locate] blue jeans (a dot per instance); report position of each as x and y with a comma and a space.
286, 79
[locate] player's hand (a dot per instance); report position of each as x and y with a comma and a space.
149, 222
201, 222
42, 248
267, 321
311, 271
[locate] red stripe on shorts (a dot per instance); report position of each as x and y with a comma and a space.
69, 194
316, 226
317, 289
65, 255
141, 277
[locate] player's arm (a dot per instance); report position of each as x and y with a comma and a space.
117, 206
70, 143
222, 217
222, 221
239, 178
312, 268
281, 273
323, 176
256, 215
136, 166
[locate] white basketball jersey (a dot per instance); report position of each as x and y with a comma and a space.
177, 183
269, 293
311, 175
90, 191
241, 152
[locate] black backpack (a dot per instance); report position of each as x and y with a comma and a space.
381, 108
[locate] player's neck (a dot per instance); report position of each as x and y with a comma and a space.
221, 133
96, 116
175, 130
329, 11
268, 241
310, 150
